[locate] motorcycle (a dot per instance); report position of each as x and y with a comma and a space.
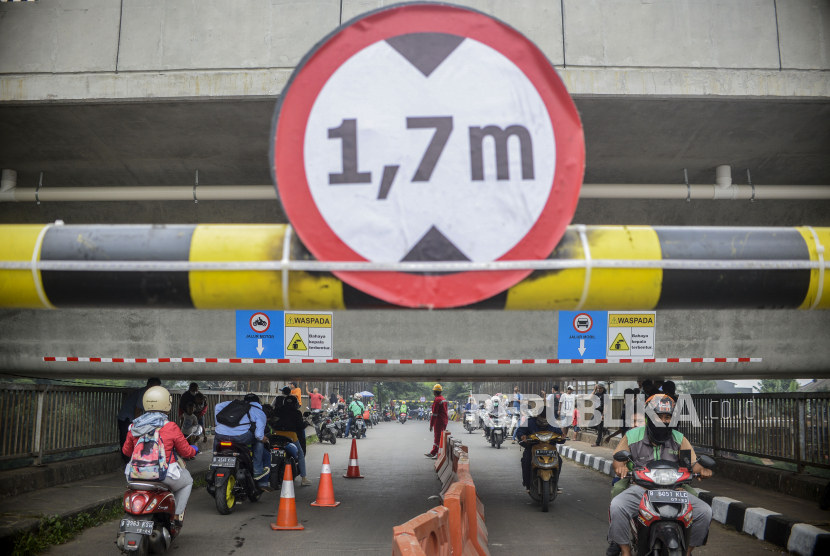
544, 466
230, 476
323, 426
367, 419
358, 427
338, 417
470, 421
402, 417
148, 524
498, 430
663, 524
375, 417
387, 416
280, 457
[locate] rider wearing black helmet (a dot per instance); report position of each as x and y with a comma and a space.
655, 441
287, 417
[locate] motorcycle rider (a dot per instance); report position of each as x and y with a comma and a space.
157, 402
249, 432
438, 421
286, 416
404, 409
535, 424
651, 442
356, 409
420, 413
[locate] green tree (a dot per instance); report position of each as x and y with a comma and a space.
773, 385
698, 387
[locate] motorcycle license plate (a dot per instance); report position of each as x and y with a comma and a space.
668, 496
223, 461
136, 526
544, 452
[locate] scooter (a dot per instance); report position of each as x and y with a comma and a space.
545, 465
148, 523
663, 524
230, 477
375, 417
402, 417
281, 457
323, 426
358, 427
387, 416
498, 430
367, 419
470, 421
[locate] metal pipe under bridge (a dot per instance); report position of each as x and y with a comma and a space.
243, 267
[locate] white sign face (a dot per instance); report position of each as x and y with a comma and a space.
308, 334
631, 334
401, 156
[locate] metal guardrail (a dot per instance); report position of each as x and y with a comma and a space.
791, 427
37, 420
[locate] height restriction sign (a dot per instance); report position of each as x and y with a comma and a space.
427, 132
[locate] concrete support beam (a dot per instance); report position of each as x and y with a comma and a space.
791, 343
268, 83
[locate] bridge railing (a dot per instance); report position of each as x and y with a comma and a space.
792, 427
41, 420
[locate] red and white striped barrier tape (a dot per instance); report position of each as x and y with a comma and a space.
406, 361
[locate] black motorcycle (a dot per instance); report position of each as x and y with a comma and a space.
358, 427
323, 425
281, 457
230, 477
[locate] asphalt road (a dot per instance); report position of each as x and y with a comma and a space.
398, 485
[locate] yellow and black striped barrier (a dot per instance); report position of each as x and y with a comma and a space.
28, 281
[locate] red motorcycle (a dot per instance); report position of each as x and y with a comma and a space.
148, 525
663, 524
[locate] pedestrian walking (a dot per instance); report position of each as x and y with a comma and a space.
438, 421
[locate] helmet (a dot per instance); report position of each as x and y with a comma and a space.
251, 397
660, 404
437, 388
157, 398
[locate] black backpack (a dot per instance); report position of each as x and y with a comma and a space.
232, 414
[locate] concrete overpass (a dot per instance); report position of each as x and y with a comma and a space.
144, 93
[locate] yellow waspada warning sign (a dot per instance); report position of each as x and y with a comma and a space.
644, 320
619, 343
310, 321
297, 344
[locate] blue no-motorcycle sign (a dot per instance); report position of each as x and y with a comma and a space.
259, 334
582, 334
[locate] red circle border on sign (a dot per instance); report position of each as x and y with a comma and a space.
251, 320
288, 138
589, 328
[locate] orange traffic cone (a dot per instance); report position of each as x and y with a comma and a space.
287, 513
325, 492
354, 469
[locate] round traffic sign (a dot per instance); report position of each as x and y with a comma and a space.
260, 322
427, 132
583, 322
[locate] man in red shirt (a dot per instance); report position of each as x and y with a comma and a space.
438, 421
315, 398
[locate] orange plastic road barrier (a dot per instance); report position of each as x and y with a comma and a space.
426, 535
464, 537
442, 451
325, 492
465, 477
354, 468
287, 513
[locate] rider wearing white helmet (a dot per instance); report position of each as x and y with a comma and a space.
157, 403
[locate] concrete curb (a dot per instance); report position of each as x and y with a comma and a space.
797, 537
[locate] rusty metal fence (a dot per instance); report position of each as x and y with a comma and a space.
791, 427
